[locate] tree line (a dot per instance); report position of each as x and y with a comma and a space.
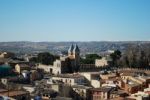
90, 59
135, 56
44, 58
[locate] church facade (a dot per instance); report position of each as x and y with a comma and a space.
74, 57
67, 64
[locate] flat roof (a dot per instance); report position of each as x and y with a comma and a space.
81, 86
68, 75
132, 83
103, 89
3, 90
13, 93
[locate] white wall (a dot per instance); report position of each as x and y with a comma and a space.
46, 68
95, 83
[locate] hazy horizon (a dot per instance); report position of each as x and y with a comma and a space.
77, 41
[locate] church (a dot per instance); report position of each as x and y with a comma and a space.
74, 57
69, 63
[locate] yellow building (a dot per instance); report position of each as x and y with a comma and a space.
20, 67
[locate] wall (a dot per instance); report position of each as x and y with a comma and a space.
95, 83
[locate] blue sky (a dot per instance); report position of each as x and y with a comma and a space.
74, 20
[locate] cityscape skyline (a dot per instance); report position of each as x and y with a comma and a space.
74, 50
79, 20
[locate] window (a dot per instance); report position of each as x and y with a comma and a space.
66, 81
104, 95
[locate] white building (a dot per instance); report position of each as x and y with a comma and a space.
140, 96
67, 64
93, 78
46, 68
105, 61
101, 62
81, 90
70, 79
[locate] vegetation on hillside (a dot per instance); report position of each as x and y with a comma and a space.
136, 56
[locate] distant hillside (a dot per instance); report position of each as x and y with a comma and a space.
57, 47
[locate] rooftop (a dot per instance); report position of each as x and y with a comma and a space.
68, 75
23, 65
3, 90
119, 92
61, 98
90, 73
103, 89
13, 93
81, 86
132, 83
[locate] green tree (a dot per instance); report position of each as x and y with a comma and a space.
90, 59
45, 58
34, 59
115, 57
137, 56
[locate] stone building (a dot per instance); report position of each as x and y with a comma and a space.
74, 56
104, 62
15, 94
102, 93
69, 63
66, 64
70, 79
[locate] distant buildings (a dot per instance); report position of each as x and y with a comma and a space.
6, 55
104, 62
70, 79
133, 83
18, 95
20, 67
67, 79
102, 93
82, 91
93, 78
46, 68
140, 96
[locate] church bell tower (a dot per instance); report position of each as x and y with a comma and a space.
74, 55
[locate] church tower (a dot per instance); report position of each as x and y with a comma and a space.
70, 50
74, 56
